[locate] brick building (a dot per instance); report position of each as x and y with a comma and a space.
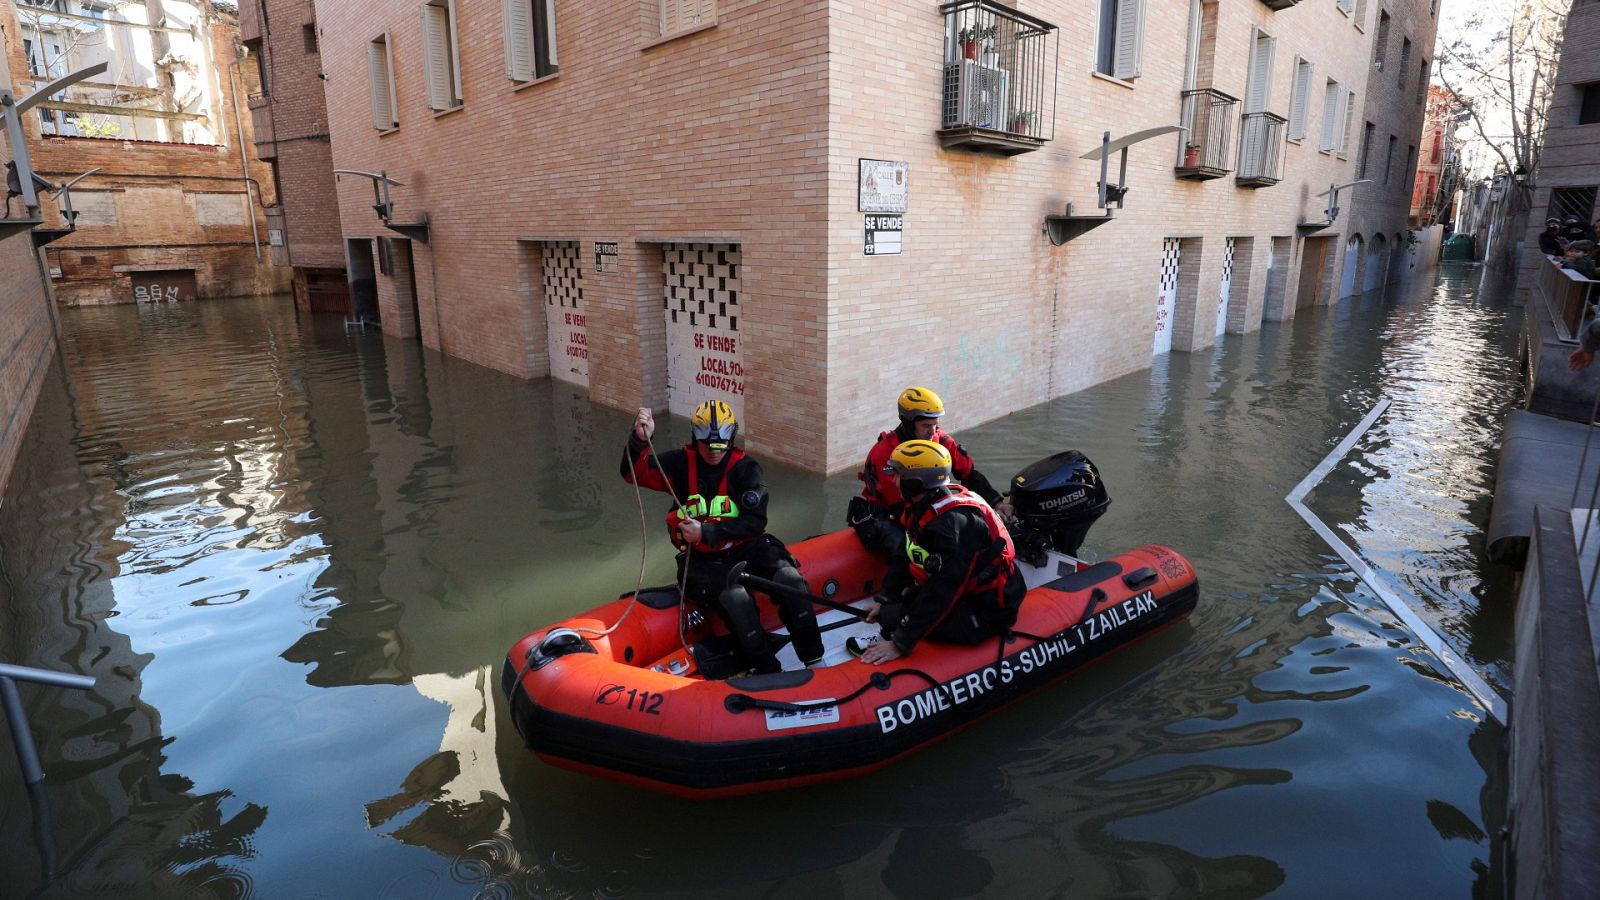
27, 323
290, 125
1379, 246
671, 200
1568, 175
1435, 181
170, 213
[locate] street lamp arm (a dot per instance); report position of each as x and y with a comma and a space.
59, 85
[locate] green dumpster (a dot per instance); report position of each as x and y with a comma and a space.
1458, 247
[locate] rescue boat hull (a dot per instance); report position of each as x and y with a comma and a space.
611, 706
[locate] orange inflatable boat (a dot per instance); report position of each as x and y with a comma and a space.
632, 706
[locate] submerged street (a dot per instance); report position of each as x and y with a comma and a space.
294, 556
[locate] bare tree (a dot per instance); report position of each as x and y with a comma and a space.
1502, 65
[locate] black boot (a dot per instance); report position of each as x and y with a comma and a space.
799, 616
744, 620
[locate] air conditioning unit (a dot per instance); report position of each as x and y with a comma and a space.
975, 95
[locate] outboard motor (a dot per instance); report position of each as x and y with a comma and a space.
1055, 500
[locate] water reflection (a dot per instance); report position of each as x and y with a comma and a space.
293, 556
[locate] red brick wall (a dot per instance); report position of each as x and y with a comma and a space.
156, 226
298, 112
720, 135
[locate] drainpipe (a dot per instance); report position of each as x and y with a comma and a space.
238, 122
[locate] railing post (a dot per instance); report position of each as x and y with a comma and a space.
21, 736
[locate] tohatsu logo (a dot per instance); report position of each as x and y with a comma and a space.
1064, 499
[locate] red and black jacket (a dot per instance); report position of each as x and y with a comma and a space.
738, 476
883, 491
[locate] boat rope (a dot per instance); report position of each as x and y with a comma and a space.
644, 545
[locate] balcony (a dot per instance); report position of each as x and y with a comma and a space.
261, 125
1207, 118
999, 79
1261, 142
1279, 4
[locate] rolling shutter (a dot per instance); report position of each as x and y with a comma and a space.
517, 17
436, 55
1298, 101
1260, 86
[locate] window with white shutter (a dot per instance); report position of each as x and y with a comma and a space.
686, 15
1258, 91
530, 34
1345, 118
1347, 5
380, 77
1121, 47
441, 57
1300, 100
1332, 109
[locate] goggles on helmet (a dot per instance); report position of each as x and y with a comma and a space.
717, 437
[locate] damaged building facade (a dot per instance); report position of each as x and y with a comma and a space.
174, 206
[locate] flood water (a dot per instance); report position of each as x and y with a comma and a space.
293, 558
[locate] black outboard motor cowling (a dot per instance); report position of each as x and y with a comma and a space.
1055, 500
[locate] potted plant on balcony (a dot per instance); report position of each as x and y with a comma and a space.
1020, 122
1191, 156
972, 38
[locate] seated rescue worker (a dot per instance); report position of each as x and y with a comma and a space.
875, 514
722, 522
957, 581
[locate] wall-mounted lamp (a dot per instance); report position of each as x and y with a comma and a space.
1060, 229
383, 204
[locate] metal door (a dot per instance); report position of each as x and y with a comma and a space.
1225, 288
1166, 296
702, 302
165, 286
564, 310
1352, 261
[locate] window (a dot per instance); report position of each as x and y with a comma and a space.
1572, 202
1405, 61
1360, 18
1388, 159
686, 15
35, 67
1333, 112
1347, 6
530, 27
1588, 103
1258, 88
1411, 161
380, 76
1121, 38
1380, 47
1300, 99
308, 33
1422, 81
1366, 150
441, 60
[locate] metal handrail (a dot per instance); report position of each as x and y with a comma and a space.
1568, 296
1261, 139
28, 753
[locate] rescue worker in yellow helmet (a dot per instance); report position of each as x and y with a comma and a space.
722, 522
957, 579
875, 514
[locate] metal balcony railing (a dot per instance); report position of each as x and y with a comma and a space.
999, 78
1569, 297
1261, 142
1207, 118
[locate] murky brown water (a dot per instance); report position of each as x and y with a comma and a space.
293, 557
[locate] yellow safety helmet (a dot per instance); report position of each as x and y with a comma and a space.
920, 403
714, 423
925, 462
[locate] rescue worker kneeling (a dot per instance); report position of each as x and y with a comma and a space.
958, 580
723, 522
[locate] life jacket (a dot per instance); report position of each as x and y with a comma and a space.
883, 489
990, 569
707, 512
